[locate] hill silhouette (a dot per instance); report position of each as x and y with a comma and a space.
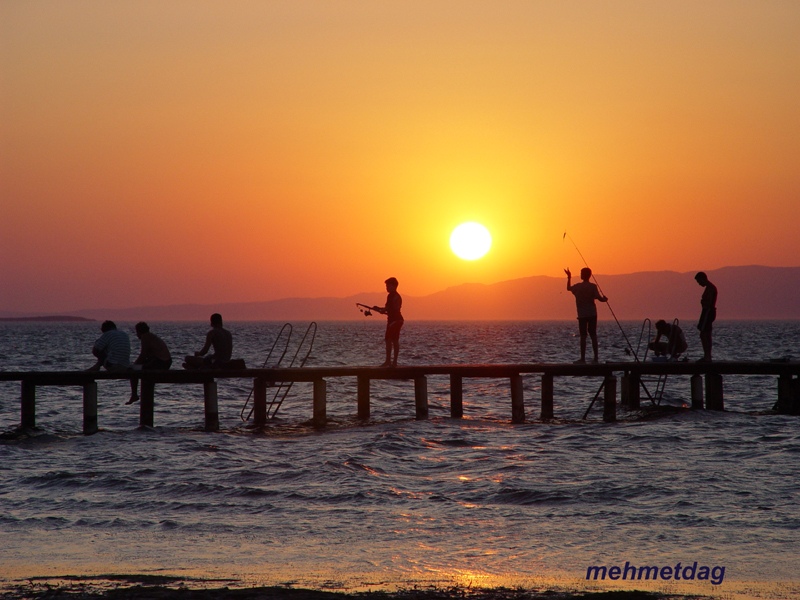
747, 292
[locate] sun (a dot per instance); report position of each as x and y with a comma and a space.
470, 241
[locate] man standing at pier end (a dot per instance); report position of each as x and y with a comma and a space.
394, 302
708, 313
586, 293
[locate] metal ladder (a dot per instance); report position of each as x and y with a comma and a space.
282, 388
660, 381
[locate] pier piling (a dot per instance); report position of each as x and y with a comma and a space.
517, 400
456, 396
697, 392
547, 396
610, 399
320, 403
147, 403
90, 408
630, 391
211, 405
363, 397
795, 407
28, 405
784, 404
259, 402
421, 396
714, 398
788, 395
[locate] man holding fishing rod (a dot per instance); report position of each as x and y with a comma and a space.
585, 294
394, 322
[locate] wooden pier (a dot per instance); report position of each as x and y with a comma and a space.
706, 386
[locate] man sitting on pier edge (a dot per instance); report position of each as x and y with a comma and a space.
112, 349
218, 338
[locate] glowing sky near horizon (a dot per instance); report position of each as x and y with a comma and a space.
159, 153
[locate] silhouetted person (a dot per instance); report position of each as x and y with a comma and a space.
220, 340
585, 294
394, 321
708, 313
153, 356
675, 344
112, 349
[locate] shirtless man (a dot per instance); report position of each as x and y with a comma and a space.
585, 294
708, 313
218, 338
675, 344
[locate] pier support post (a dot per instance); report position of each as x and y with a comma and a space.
90, 408
421, 396
697, 392
784, 405
147, 402
456, 396
547, 396
624, 391
259, 402
788, 395
320, 403
610, 399
714, 397
212, 405
630, 396
28, 405
517, 400
795, 407
363, 398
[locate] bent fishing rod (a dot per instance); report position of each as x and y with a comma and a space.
599, 289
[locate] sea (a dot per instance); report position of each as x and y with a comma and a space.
709, 499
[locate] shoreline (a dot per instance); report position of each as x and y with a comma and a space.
163, 587
147, 586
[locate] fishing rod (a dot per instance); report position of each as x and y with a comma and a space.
367, 310
629, 349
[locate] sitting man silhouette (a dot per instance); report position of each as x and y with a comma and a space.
220, 340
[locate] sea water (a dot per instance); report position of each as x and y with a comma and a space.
396, 502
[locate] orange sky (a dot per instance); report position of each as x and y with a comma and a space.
167, 152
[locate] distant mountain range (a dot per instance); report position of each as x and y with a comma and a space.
750, 292
47, 318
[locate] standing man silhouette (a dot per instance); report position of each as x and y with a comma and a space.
708, 313
586, 293
394, 321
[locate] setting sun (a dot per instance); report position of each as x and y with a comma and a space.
470, 241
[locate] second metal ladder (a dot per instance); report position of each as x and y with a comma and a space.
299, 359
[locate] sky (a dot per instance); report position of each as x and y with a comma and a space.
158, 153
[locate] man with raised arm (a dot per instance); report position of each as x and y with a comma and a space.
585, 294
